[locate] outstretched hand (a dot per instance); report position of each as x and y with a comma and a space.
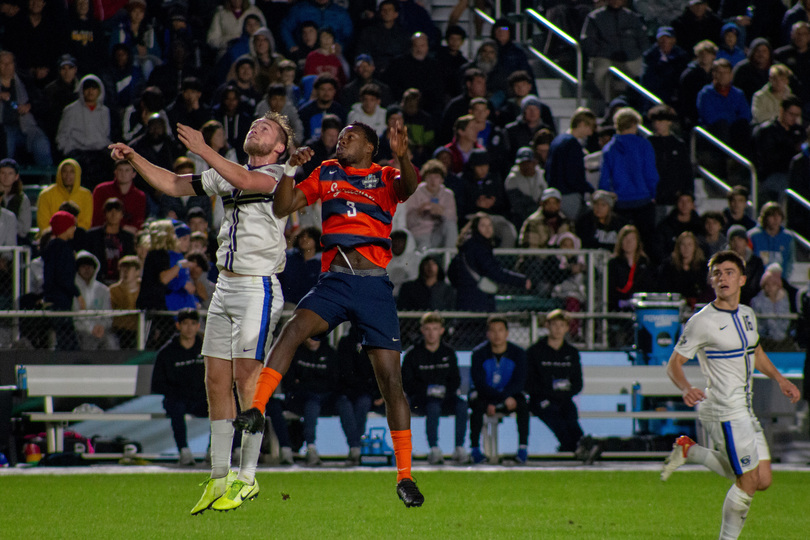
191, 138
119, 151
300, 156
398, 138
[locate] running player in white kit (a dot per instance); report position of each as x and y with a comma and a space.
723, 335
247, 302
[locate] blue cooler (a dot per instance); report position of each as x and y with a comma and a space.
657, 326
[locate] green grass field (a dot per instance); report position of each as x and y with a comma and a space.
526, 503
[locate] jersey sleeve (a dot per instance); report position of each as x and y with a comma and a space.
210, 183
692, 338
311, 187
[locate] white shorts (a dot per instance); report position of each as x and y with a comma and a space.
242, 316
741, 441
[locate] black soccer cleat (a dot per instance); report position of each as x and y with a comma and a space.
409, 493
250, 420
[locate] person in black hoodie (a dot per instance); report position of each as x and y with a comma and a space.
554, 377
752, 73
431, 380
59, 279
671, 158
179, 376
428, 290
682, 218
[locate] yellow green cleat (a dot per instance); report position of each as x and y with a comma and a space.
237, 493
214, 489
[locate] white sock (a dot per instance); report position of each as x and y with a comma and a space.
711, 459
221, 442
251, 448
735, 509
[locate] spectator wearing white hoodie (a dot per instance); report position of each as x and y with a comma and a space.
431, 210
368, 109
404, 265
524, 185
94, 332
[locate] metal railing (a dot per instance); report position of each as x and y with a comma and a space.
576, 80
804, 203
640, 90
699, 131
20, 262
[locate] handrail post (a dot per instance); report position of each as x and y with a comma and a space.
554, 29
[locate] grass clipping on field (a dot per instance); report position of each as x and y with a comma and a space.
320, 505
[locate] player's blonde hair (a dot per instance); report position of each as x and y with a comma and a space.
284, 123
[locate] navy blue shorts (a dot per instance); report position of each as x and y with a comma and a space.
366, 301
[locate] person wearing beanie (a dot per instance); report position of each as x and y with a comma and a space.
545, 222
534, 116
66, 187
599, 226
59, 287
524, 185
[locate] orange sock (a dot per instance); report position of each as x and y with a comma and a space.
402, 452
268, 381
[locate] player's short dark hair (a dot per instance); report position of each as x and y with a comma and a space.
371, 135
276, 89
727, 256
493, 319
188, 313
518, 76
431, 317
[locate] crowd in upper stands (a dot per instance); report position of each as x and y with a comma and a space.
496, 168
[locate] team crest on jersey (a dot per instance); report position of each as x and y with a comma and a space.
745, 461
370, 181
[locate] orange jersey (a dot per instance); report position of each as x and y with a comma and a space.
357, 208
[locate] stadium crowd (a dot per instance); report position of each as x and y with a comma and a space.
495, 171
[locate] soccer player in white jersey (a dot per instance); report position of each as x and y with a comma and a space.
724, 337
247, 302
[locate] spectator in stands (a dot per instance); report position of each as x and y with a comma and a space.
315, 385
277, 100
85, 38
724, 110
696, 23
59, 279
712, 239
198, 221
738, 242
483, 189
773, 300
240, 48
511, 58
565, 167
684, 270
181, 288
795, 56
599, 227
696, 75
325, 59
450, 57
178, 207
323, 145
682, 218
228, 23
67, 186
94, 332
629, 270
139, 36
322, 13
306, 40
524, 185
403, 265
475, 86
752, 73
766, 100
628, 170
464, 142
385, 39
671, 159
122, 188
431, 210
798, 13
490, 137
8, 237
179, 66
123, 295
756, 18
368, 110
736, 213
554, 377
417, 69
59, 93
428, 291
545, 222
35, 37
14, 199
198, 267
663, 64
262, 48
520, 86
242, 76
498, 374
85, 130
157, 145
420, 124
364, 70
770, 240
475, 272
303, 266
730, 48
187, 108
534, 116
776, 142
235, 122
324, 103
541, 144
431, 380
108, 242
19, 125
123, 82
179, 376
614, 36
214, 136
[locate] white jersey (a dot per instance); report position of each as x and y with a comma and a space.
724, 342
251, 238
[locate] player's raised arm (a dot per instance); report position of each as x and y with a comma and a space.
764, 365
287, 199
398, 139
691, 394
158, 177
232, 172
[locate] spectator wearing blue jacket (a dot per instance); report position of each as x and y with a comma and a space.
628, 170
663, 64
565, 164
729, 47
723, 109
770, 240
498, 373
322, 13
